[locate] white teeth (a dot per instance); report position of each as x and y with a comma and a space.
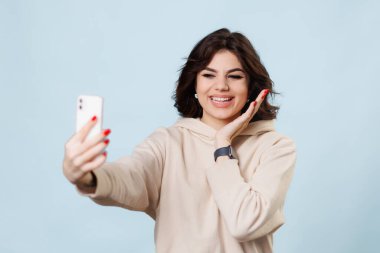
220, 99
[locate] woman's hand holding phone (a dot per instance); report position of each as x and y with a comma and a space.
85, 155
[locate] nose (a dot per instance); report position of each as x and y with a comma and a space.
221, 84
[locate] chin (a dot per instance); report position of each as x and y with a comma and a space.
226, 116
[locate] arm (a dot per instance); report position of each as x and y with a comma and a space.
134, 181
253, 209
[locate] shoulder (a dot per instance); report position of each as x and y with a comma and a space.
159, 135
267, 137
264, 133
275, 145
164, 135
273, 138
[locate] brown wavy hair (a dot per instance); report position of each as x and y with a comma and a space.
202, 54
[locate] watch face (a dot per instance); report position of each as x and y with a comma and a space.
230, 153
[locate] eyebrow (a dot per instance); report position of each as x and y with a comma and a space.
229, 71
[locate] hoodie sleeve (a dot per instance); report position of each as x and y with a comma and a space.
254, 208
134, 181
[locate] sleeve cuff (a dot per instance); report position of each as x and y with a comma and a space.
103, 187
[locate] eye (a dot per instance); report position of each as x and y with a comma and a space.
208, 75
235, 76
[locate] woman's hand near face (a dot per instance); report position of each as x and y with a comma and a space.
227, 133
82, 156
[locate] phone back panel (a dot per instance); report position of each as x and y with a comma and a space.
87, 107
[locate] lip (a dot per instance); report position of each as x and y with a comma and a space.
221, 96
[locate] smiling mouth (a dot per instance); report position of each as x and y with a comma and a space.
219, 99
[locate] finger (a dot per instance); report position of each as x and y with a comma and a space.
95, 163
248, 114
261, 97
78, 148
93, 141
90, 154
251, 111
83, 132
254, 110
242, 122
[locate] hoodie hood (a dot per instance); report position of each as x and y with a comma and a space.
206, 132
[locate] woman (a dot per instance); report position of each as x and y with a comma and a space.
216, 180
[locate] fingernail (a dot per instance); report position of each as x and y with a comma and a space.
105, 153
93, 118
107, 132
265, 93
254, 103
107, 141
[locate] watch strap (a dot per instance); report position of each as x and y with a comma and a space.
224, 151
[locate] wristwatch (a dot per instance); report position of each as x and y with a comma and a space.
223, 151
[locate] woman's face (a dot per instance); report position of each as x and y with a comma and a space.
222, 89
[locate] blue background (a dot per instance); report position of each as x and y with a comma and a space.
322, 55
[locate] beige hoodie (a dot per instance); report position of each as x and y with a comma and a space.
200, 205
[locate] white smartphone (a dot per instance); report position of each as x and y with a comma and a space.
88, 107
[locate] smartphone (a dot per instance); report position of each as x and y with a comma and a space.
88, 107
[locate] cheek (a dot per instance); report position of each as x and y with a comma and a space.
198, 85
246, 90
201, 87
243, 91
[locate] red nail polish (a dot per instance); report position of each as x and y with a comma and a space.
254, 103
105, 153
107, 141
93, 118
265, 93
107, 132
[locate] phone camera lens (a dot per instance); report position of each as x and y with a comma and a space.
80, 107
80, 100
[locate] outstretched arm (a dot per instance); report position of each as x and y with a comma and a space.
133, 181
